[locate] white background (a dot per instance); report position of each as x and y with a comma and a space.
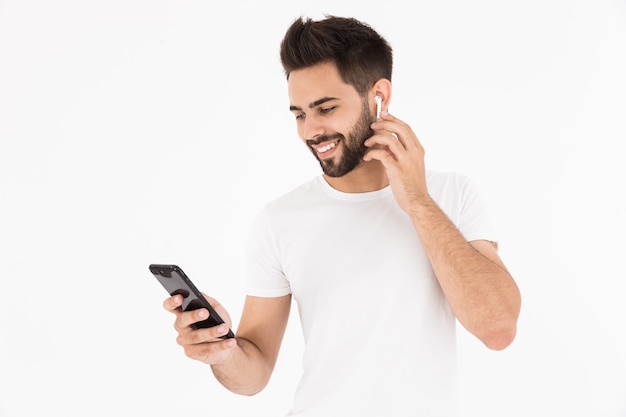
136, 131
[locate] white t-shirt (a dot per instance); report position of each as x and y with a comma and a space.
379, 333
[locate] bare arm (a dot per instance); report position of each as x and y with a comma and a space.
480, 290
244, 364
259, 337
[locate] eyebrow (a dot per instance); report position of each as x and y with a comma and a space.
314, 103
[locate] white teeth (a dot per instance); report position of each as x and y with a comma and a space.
327, 147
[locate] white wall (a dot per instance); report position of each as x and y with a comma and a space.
141, 131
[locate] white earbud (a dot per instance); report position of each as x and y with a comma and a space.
379, 101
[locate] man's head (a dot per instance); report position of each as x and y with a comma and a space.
361, 55
334, 68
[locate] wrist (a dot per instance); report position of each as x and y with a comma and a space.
420, 206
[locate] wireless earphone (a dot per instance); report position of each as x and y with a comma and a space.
379, 101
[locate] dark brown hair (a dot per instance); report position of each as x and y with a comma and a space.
362, 56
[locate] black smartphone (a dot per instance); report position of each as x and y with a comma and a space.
175, 281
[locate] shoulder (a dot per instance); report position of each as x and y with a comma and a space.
299, 196
279, 209
454, 192
446, 182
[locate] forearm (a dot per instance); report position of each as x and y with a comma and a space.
246, 372
481, 292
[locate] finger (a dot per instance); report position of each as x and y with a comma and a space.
211, 353
219, 308
173, 303
385, 157
403, 131
202, 335
185, 320
389, 142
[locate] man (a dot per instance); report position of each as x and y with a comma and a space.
381, 255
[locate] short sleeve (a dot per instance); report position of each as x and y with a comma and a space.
264, 274
475, 222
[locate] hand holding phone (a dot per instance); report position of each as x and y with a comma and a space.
175, 281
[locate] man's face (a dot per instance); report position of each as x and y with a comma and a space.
332, 119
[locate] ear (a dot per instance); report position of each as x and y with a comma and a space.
382, 89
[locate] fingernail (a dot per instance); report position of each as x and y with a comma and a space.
202, 314
221, 330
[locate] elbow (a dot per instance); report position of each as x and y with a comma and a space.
499, 338
502, 329
498, 333
254, 389
247, 390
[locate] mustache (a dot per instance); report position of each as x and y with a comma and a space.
324, 138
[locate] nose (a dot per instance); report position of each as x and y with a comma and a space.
312, 127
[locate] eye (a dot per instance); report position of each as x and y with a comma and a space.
326, 110
299, 116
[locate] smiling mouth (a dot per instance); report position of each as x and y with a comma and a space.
327, 147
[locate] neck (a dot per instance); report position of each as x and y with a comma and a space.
366, 177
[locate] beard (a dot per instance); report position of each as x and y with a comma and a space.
353, 146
